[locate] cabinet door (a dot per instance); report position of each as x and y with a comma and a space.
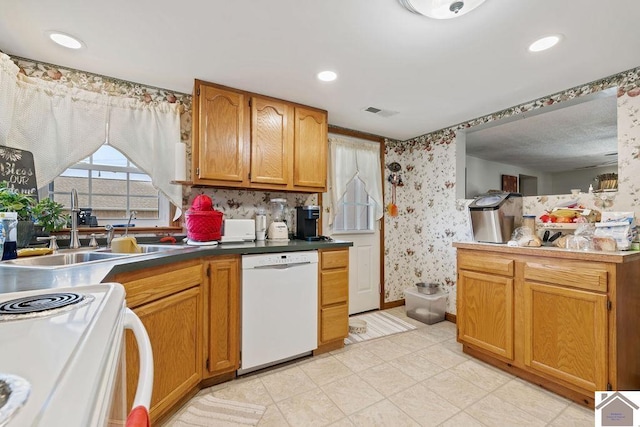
334, 323
566, 334
224, 288
220, 126
174, 327
310, 149
485, 312
271, 138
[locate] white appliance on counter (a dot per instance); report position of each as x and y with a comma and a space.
63, 350
279, 308
239, 230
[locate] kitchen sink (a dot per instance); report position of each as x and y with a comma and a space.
61, 259
149, 248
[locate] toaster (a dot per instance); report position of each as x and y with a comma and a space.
239, 230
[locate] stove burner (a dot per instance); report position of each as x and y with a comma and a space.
39, 303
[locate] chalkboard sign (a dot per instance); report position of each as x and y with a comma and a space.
16, 168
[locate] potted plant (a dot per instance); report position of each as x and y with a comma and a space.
14, 201
48, 214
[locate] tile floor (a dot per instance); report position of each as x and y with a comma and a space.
415, 378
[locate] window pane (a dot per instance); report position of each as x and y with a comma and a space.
354, 210
112, 186
145, 207
109, 156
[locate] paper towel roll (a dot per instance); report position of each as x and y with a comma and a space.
181, 162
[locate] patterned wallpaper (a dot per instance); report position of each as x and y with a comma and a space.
418, 242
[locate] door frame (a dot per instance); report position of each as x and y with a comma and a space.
380, 140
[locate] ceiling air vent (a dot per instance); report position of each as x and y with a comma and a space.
380, 112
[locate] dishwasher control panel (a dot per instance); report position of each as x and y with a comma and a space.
281, 258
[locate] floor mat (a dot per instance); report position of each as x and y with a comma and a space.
207, 410
379, 324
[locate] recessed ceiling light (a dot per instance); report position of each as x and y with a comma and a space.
65, 40
544, 43
327, 76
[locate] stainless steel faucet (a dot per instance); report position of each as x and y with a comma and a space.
132, 215
74, 241
109, 229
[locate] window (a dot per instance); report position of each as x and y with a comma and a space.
355, 210
113, 187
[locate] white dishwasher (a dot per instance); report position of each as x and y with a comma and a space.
279, 308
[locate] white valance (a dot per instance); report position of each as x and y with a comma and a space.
62, 125
348, 158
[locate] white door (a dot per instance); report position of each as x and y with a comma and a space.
354, 222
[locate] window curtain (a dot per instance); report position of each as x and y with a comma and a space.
62, 125
349, 158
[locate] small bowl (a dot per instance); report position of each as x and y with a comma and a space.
357, 326
427, 288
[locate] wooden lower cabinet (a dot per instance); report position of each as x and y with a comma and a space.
222, 354
565, 334
560, 319
168, 301
333, 299
485, 311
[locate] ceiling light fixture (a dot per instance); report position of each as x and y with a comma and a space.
544, 43
327, 76
441, 9
65, 40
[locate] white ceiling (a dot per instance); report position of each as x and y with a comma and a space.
433, 73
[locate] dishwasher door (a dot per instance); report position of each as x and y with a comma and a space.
279, 308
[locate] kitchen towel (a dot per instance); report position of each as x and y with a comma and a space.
206, 410
379, 324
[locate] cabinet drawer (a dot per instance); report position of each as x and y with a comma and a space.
487, 263
334, 259
334, 287
334, 323
584, 275
151, 284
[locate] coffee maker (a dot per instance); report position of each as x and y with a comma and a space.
307, 222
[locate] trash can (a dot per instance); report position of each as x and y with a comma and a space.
425, 308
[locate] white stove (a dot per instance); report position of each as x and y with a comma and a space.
70, 357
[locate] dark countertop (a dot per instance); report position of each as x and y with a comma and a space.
13, 279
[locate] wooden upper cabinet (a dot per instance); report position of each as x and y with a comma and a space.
220, 136
271, 141
266, 144
310, 149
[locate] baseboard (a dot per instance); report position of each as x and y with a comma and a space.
392, 304
450, 317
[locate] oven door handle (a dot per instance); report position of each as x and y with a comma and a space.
145, 379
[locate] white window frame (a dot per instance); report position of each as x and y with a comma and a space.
354, 193
88, 165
